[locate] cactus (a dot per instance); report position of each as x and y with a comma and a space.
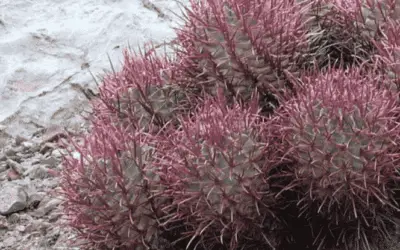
342, 33
343, 134
374, 16
242, 46
107, 197
141, 94
388, 53
334, 38
270, 114
215, 170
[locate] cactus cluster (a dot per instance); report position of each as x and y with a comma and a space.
274, 125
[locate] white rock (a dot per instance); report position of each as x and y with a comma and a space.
13, 198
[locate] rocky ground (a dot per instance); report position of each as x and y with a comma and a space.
30, 216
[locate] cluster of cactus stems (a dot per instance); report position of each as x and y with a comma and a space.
274, 125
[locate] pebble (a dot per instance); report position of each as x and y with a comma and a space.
13, 198
35, 199
53, 133
10, 152
19, 140
29, 212
10, 241
47, 147
56, 153
13, 175
3, 157
27, 145
37, 172
50, 161
3, 167
18, 168
3, 222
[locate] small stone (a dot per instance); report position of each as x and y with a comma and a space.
13, 198
35, 199
10, 152
26, 145
51, 238
3, 166
3, 157
53, 217
20, 228
14, 219
18, 168
37, 172
50, 161
12, 175
38, 226
9, 241
47, 147
3, 222
17, 158
19, 140
53, 133
3, 176
51, 183
46, 207
57, 154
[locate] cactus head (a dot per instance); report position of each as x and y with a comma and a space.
342, 131
335, 38
215, 171
106, 192
243, 46
142, 95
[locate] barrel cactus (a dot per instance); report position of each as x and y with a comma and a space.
142, 93
214, 169
342, 131
388, 53
336, 35
242, 46
107, 196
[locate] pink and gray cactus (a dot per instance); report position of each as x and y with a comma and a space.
243, 46
342, 131
214, 168
140, 94
107, 196
270, 113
